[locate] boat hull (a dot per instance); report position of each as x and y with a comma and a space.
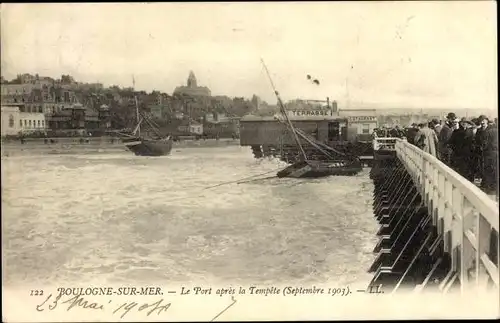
315, 169
149, 147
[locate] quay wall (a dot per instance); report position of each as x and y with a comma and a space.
94, 145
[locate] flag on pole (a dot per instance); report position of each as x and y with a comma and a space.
133, 81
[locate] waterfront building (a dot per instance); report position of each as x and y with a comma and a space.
190, 127
156, 111
48, 104
15, 121
196, 128
364, 120
217, 117
11, 124
32, 122
160, 108
192, 88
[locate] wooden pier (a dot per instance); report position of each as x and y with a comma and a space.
438, 231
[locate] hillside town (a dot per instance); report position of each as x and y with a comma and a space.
42, 106
34, 105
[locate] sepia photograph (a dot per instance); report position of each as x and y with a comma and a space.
235, 161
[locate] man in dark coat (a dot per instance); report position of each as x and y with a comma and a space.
461, 143
469, 151
444, 135
458, 154
411, 133
489, 147
479, 140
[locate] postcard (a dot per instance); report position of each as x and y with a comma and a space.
249, 161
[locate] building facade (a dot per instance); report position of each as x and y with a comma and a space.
48, 104
17, 122
364, 120
11, 125
32, 122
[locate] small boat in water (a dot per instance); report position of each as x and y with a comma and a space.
149, 147
140, 145
334, 162
318, 168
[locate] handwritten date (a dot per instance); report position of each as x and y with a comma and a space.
79, 301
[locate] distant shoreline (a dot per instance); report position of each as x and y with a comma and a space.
97, 144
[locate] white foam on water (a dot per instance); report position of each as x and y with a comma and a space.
123, 218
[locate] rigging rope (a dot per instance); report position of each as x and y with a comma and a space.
313, 142
241, 179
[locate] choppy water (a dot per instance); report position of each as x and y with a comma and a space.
122, 218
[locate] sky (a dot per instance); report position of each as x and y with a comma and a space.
387, 54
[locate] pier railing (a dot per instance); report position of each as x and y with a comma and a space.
467, 218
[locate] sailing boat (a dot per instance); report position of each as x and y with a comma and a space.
335, 163
157, 145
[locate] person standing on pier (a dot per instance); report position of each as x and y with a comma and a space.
470, 164
411, 133
437, 126
461, 144
444, 137
489, 147
426, 139
395, 132
479, 143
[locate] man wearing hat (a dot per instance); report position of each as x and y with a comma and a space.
468, 149
487, 139
479, 142
460, 150
444, 151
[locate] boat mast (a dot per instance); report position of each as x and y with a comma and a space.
138, 128
283, 111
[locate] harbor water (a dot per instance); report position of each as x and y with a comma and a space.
111, 216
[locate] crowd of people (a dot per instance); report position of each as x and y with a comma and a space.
470, 147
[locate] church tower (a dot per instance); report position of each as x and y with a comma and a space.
192, 88
192, 80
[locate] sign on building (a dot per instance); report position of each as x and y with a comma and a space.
362, 119
309, 113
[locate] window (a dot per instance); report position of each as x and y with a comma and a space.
365, 128
25, 123
43, 123
11, 121
29, 123
38, 123
21, 123
40, 109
